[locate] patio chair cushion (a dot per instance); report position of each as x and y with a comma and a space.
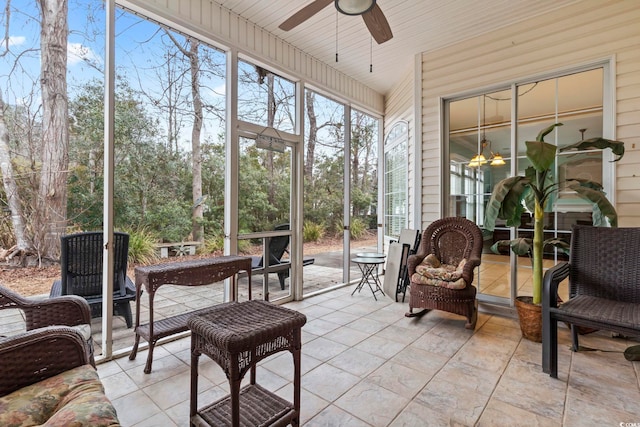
72, 398
431, 272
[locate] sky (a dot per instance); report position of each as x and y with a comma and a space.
139, 53
140, 60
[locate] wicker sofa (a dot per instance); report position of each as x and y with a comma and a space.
46, 379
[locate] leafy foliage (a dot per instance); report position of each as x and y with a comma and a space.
141, 247
534, 190
312, 232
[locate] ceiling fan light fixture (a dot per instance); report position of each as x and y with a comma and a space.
354, 7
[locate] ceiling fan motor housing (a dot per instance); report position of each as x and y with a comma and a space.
354, 7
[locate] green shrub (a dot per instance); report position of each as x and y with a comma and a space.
215, 243
312, 232
142, 248
358, 228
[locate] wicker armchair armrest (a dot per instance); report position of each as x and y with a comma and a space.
468, 269
42, 353
550, 283
68, 310
413, 261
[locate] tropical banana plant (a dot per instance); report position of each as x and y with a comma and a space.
512, 196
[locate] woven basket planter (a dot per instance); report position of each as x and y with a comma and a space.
530, 316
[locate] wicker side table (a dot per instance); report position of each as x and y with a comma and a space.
237, 335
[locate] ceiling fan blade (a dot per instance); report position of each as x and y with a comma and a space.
305, 13
377, 25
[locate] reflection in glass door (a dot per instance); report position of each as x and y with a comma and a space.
480, 156
264, 216
481, 130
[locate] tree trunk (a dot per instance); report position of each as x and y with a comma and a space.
271, 117
196, 153
311, 141
51, 210
10, 185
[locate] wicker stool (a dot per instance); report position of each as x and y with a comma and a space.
237, 335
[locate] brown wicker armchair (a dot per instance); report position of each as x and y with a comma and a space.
67, 310
450, 240
38, 354
45, 379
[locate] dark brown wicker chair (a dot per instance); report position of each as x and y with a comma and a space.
604, 288
451, 240
81, 269
68, 310
48, 370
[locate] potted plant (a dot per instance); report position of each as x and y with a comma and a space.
533, 191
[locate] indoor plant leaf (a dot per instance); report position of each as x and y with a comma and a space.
559, 244
519, 246
541, 154
505, 202
599, 200
617, 147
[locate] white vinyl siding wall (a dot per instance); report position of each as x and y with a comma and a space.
580, 34
222, 27
399, 105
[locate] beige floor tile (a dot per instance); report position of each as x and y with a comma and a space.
500, 414
400, 379
357, 362
416, 414
311, 404
372, 403
332, 416
381, 347
455, 401
421, 360
523, 385
347, 336
320, 327
158, 420
323, 349
340, 381
134, 408
581, 412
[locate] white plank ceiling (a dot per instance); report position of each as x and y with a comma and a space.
417, 25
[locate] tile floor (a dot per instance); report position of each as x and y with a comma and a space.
365, 364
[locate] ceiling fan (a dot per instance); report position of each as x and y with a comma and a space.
370, 11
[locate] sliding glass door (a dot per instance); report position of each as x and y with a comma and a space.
486, 143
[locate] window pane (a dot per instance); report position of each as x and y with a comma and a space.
265, 98
395, 178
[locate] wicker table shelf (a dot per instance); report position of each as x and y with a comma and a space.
186, 273
237, 336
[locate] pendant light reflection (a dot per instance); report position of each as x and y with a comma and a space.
479, 159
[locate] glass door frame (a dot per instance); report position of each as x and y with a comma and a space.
251, 131
608, 131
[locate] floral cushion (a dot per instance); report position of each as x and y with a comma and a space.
73, 398
431, 272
